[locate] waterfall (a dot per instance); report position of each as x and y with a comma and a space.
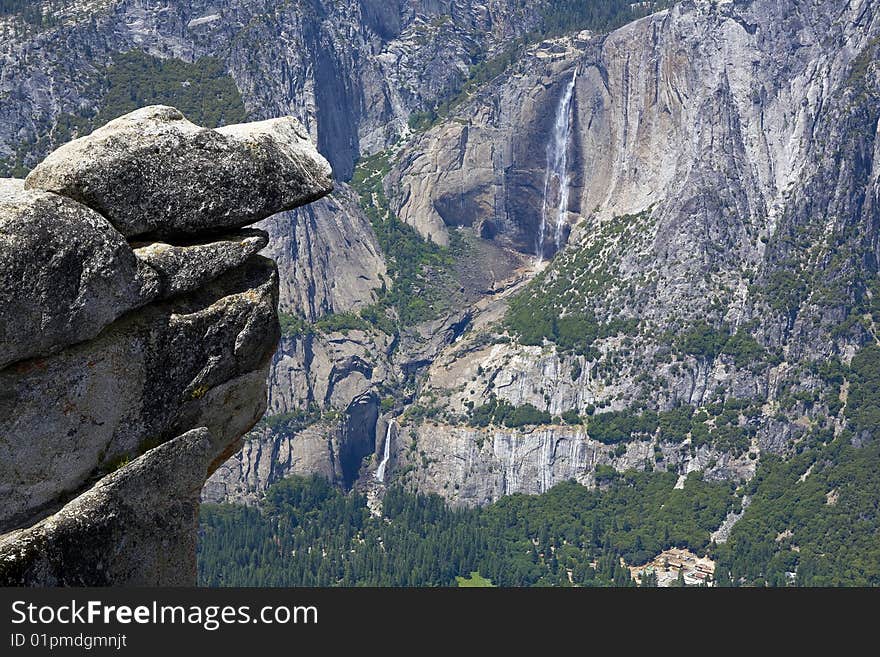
386, 454
556, 181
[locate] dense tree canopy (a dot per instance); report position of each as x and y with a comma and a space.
814, 521
309, 533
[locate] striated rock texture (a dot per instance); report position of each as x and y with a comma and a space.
472, 467
329, 255
110, 431
667, 110
331, 448
352, 71
267, 457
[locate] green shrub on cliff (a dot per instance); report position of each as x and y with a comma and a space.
500, 412
419, 269
202, 90
863, 402
553, 309
813, 520
563, 16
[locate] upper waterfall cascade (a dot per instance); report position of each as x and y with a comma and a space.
554, 206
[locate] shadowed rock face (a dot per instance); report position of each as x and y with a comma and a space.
134, 370
185, 268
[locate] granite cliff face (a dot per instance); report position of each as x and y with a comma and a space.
735, 89
352, 72
720, 237
703, 179
362, 66
719, 162
152, 353
470, 467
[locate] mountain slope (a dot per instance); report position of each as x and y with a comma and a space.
722, 255
652, 249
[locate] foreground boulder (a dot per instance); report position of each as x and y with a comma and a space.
70, 418
153, 172
121, 530
65, 273
130, 370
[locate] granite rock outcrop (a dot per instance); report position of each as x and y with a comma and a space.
138, 366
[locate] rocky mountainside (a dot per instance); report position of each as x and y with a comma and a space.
363, 66
707, 176
352, 72
721, 231
138, 327
654, 248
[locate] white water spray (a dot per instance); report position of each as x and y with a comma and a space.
386, 454
556, 181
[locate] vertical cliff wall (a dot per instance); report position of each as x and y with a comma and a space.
352, 72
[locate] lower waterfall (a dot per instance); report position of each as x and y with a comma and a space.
386, 454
